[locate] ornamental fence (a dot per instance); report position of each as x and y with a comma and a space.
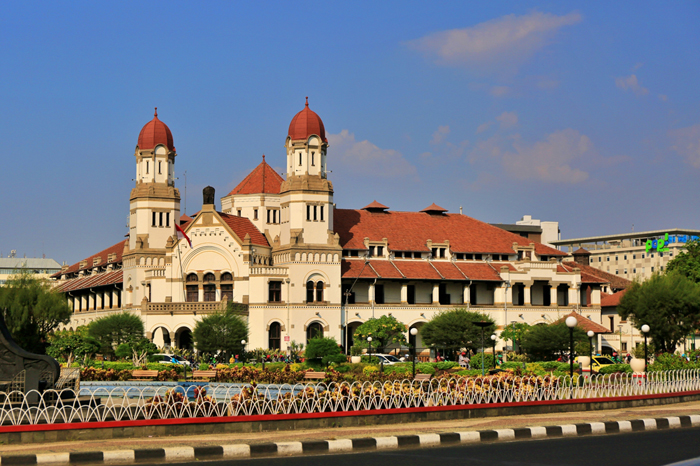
100, 404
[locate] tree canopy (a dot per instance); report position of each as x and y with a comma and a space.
31, 309
221, 331
668, 303
455, 329
687, 263
116, 329
72, 345
515, 332
384, 331
547, 342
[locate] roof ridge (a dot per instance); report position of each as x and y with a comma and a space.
399, 270
438, 272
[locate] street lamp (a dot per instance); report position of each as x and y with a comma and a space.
369, 340
571, 323
243, 354
483, 325
590, 334
493, 344
645, 330
414, 332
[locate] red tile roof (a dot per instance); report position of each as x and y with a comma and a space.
100, 279
616, 282
416, 270
385, 269
410, 231
419, 270
184, 218
611, 300
262, 180
242, 226
155, 132
584, 323
448, 270
353, 268
103, 255
481, 271
581, 252
374, 205
434, 208
306, 123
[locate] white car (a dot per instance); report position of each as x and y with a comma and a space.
170, 359
387, 359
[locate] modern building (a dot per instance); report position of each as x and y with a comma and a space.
533, 229
40, 267
303, 266
631, 255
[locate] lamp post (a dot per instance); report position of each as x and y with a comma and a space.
645, 330
414, 332
590, 334
571, 323
369, 340
243, 353
483, 325
493, 344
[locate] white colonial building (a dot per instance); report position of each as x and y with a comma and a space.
305, 267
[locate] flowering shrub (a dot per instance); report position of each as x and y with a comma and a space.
110, 375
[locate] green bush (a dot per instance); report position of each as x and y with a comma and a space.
446, 365
274, 366
469, 373
550, 365
425, 368
334, 358
366, 360
343, 368
398, 369
317, 348
512, 365
204, 367
476, 361
616, 368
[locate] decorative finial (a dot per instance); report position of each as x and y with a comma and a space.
307, 100
263, 157
155, 114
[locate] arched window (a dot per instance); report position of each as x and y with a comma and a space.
319, 292
309, 292
226, 277
274, 336
192, 277
209, 277
315, 330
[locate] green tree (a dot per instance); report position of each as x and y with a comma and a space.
548, 342
138, 350
384, 331
668, 303
72, 345
687, 263
515, 332
325, 349
31, 309
455, 329
113, 330
221, 331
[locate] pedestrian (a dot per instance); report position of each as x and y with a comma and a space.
463, 360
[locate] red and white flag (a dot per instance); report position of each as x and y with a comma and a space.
181, 234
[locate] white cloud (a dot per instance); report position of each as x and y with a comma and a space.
506, 41
440, 134
499, 91
363, 157
507, 119
686, 141
483, 127
631, 83
550, 160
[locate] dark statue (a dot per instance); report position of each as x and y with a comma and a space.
40, 371
208, 195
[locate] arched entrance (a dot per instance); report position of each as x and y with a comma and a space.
161, 337
314, 330
274, 336
416, 341
352, 326
183, 337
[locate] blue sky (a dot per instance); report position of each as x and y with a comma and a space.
586, 113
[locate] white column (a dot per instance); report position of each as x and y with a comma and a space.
436, 293
526, 299
466, 294
404, 293
553, 294
115, 298
370, 293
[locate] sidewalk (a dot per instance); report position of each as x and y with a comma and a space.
375, 431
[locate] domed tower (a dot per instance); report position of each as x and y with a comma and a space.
154, 207
307, 195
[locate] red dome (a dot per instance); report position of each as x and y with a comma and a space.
306, 123
155, 132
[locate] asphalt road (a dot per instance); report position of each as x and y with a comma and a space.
636, 449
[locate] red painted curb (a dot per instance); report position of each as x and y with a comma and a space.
288, 417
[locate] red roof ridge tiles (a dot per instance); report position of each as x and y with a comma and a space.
117, 249
611, 300
242, 226
262, 180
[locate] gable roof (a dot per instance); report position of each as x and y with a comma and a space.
103, 255
410, 231
616, 282
262, 180
242, 226
418, 270
584, 323
611, 300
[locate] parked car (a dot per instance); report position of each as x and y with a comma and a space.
170, 359
599, 362
387, 359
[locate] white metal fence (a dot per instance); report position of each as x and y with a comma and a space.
134, 403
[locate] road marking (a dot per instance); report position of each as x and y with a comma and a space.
340, 445
538, 432
385, 443
179, 453
597, 428
429, 439
236, 450
568, 430
505, 434
289, 448
625, 426
53, 458
469, 437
